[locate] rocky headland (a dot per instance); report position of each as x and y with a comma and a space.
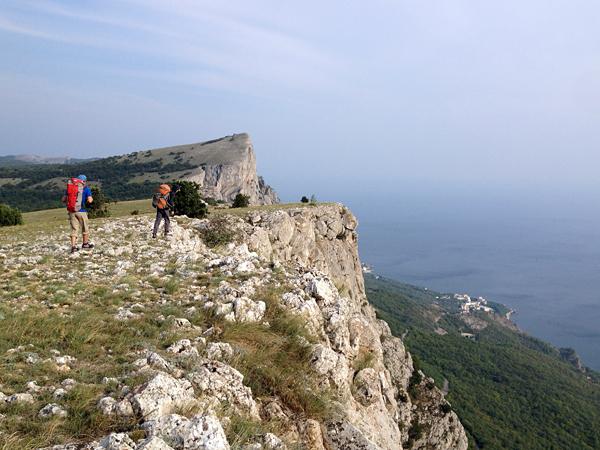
248, 331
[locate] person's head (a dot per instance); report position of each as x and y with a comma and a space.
82, 178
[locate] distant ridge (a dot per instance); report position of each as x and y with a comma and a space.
23, 160
222, 168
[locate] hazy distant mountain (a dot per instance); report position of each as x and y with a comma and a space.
23, 160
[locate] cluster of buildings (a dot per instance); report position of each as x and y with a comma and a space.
469, 304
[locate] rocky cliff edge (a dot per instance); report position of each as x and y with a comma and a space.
250, 332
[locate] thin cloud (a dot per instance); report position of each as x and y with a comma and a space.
204, 42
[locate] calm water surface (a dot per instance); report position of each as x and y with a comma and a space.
540, 257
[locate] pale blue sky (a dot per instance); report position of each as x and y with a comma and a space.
339, 93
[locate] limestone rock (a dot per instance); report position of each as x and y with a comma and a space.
219, 351
341, 435
161, 396
50, 410
109, 407
202, 432
19, 398
272, 442
312, 435
225, 167
184, 348
117, 441
154, 443
367, 389
247, 310
223, 382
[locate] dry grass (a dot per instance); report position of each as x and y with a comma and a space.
275, 359
103, 347
77, 319
364, 360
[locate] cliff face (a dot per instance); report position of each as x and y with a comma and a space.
265, 342
388, 404
223, 168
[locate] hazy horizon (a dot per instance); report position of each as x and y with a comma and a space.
502, 93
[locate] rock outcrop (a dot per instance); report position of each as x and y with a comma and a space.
386, 405
223, 168
302, 262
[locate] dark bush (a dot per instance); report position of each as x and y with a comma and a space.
188, 201
99, 207
304, 199
415, 431
211, 201
10, 216
241, 201
217, 232
135, 212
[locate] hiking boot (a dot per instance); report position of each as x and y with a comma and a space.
74, 249
87, 245
153, 236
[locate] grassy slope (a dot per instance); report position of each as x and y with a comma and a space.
31, 187
510, 390
77, 319
47, 219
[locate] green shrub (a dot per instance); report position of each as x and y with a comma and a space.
241, 201
217, 232
10, 216
415, 431
445, 408
99, 207
313, 199
304, 199
188, 201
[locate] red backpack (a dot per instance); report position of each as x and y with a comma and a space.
74, 194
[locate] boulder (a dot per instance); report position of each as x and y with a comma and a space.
201, 432
19, 398
117, 441
51, 410
161, 396
153, 443
223, 382
247, 310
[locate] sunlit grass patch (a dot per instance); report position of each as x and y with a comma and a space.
84, 421
275, 359
242, 430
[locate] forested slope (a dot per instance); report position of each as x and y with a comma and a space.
510, 390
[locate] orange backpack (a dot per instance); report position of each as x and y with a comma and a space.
159, 199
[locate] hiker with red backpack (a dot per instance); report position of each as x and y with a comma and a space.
162, 200
77, 196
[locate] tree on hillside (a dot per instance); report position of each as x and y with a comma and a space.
10, 216
304, 199
241, 201
99, 207
188, 201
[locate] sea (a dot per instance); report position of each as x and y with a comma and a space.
536, 251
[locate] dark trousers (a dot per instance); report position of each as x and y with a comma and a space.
160, 215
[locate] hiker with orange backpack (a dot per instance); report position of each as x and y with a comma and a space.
77, 196
162, 200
